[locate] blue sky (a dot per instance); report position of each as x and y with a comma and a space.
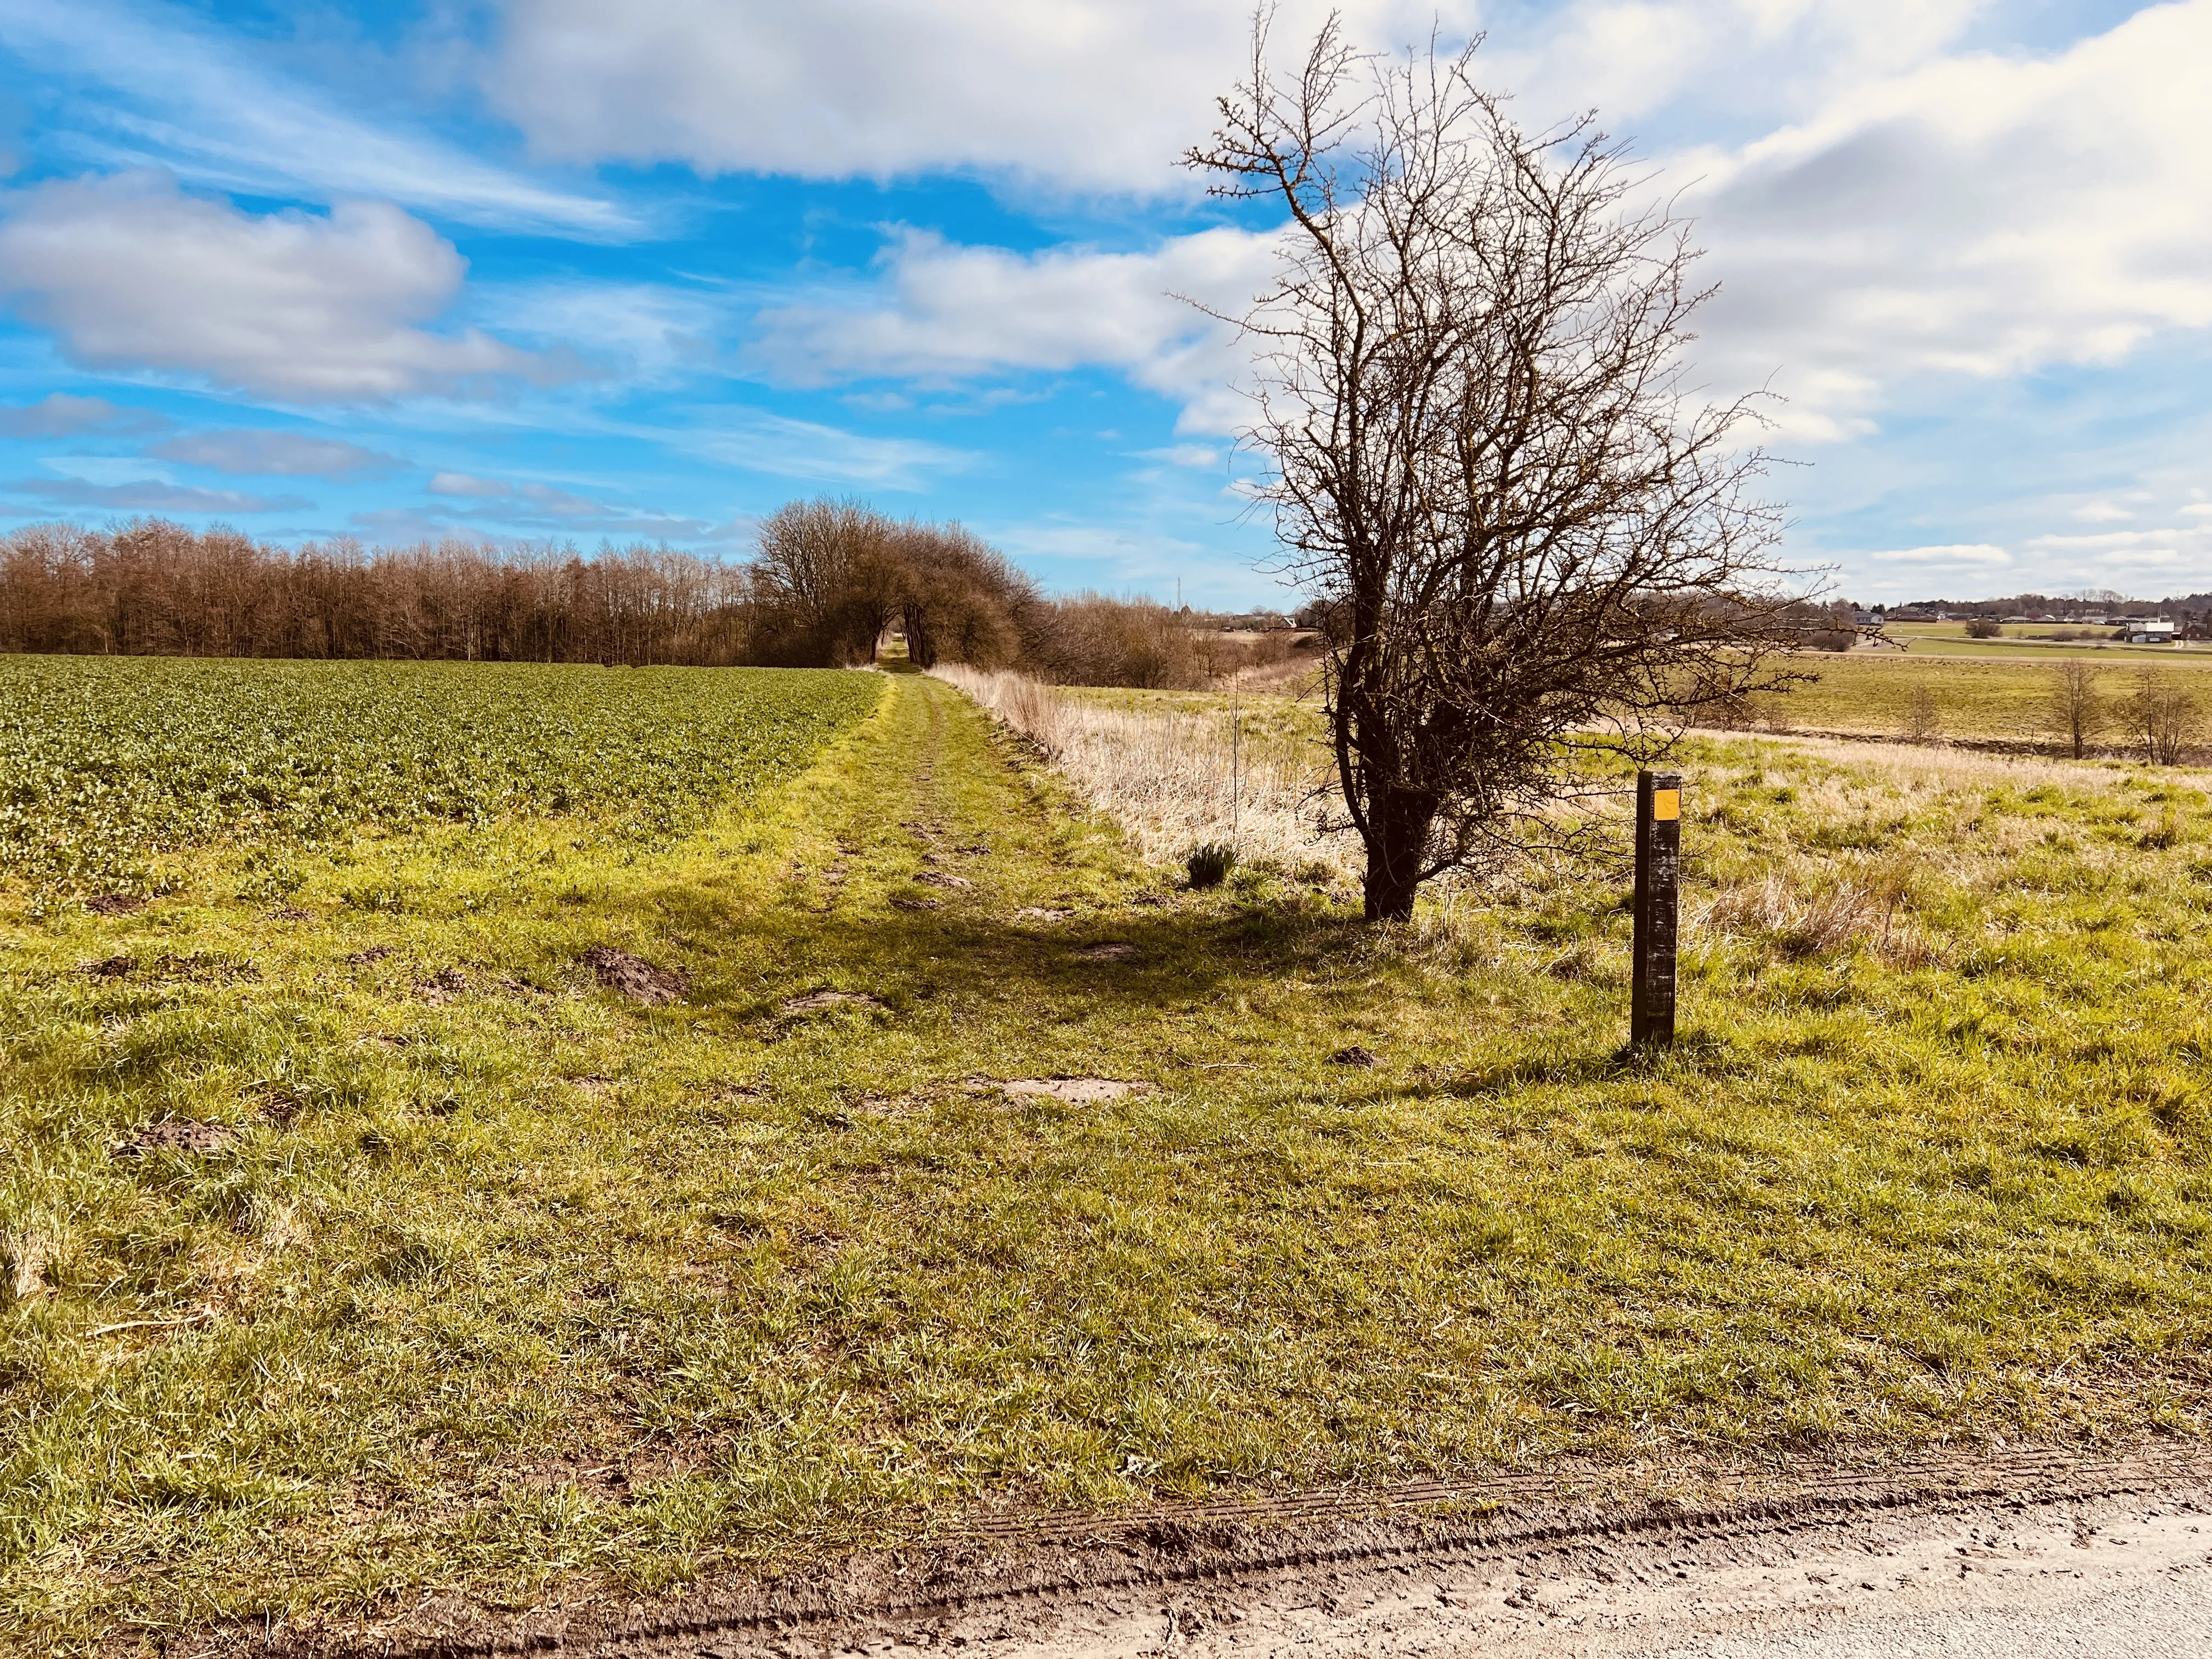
577, 270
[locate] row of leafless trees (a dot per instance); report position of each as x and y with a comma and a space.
157, 588
832, 581
2158, 711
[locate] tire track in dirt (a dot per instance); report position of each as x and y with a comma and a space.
1087, 1584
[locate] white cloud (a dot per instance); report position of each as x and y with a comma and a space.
949, 313
205, 110
538, 499
1106, 95
2167, 559
1979, 216
466, 484
58, 414
1926, 213
1185, 455
1936, 217
1099, 94
132, 274
1729, 61
273, 454
1970, 555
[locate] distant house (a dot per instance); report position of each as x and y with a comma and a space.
2157, 631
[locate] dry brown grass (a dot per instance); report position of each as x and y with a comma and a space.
1174, 780
1868, 905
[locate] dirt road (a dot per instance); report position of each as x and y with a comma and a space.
2016, 1555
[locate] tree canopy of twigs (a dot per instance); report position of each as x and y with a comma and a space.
1483, 454
2077, 710
833, 577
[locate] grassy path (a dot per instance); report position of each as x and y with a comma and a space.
506, 1283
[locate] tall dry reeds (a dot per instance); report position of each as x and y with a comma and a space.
1174, 780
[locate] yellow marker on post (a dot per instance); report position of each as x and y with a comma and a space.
1658, 881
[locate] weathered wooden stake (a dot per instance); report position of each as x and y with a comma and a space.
1658, 894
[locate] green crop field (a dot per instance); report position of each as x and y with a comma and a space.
363, 1245
107, 763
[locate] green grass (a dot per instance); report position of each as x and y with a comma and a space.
508, 1283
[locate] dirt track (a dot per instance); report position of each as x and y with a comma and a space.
2014, 1555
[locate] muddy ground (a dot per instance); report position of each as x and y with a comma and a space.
2012, 1552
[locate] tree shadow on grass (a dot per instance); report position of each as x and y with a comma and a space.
1087, 965
1695, 1052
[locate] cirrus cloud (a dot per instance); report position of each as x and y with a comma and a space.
58, 414
151, 495
273, 454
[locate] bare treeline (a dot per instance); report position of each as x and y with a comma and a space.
831, 582
157, 588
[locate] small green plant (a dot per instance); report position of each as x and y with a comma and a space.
1208, 864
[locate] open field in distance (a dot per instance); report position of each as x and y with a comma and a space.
2024, 641
1864, 693
1871, 692
362, 1243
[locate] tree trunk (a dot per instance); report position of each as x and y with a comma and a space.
1397, 844
921, 648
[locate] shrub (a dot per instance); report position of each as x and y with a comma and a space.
1924, 721
1982, 628
1208, 864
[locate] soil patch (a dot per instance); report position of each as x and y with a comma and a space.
112, 968
1354, 1055
443, 986
1041, 912
116, 904
939, 878
634, 977
1075, 1090
1113, 950
178, 1135
815, 1002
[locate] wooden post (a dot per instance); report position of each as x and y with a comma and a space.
1658, 896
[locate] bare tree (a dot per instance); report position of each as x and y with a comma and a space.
959, 596
2165, 716
1924, 720
1484, 453
2075, 710
826, 570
